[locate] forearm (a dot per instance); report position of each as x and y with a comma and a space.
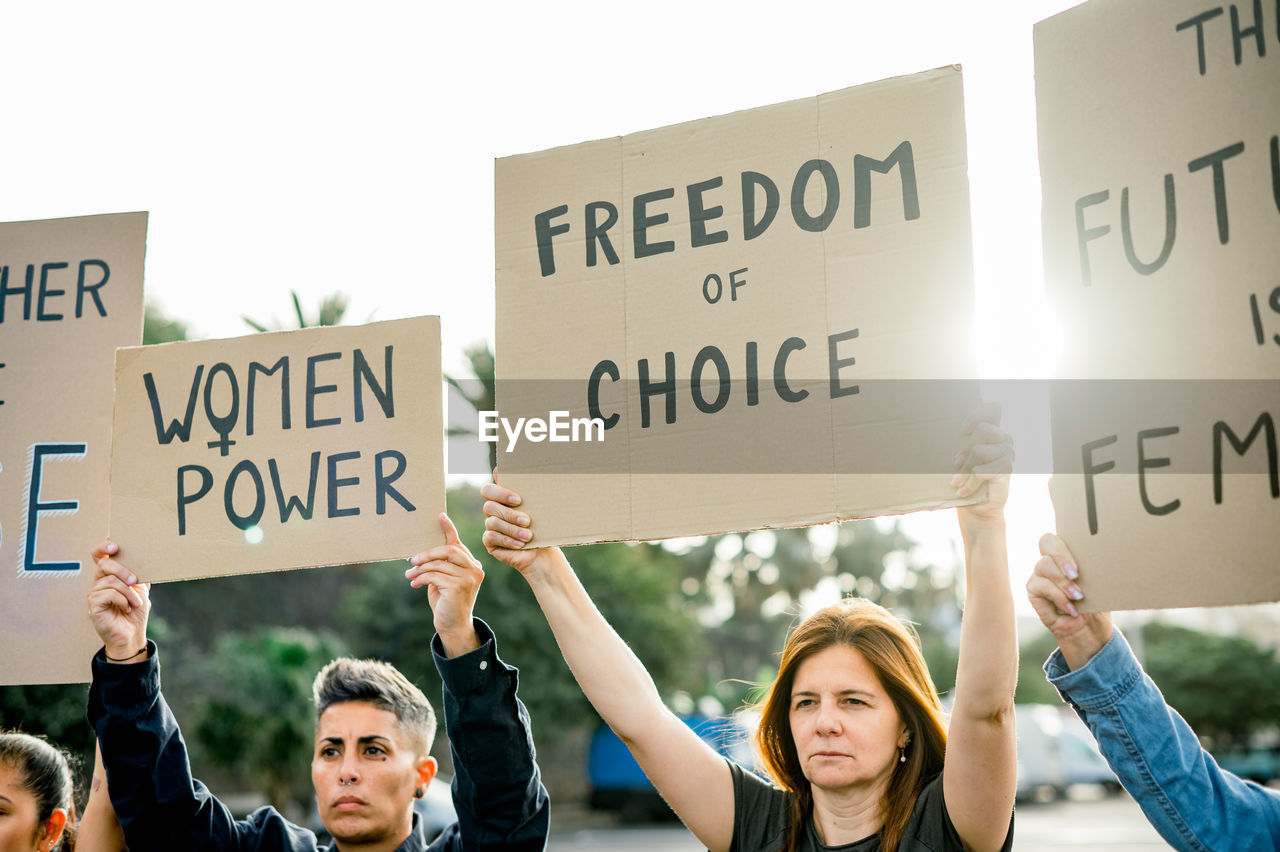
609, 673
980, 768
693, 779
99, 829
1191, 801
497, 787
987, 671
155, 799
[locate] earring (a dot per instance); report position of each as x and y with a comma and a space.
902, 755
419, 793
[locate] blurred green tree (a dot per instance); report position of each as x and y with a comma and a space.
748, 589
479, 389
1226, 687
1033, 687
635, 586
55, 711
253, 717
331, 311
159, 327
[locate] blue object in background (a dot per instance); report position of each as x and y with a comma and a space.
618, 784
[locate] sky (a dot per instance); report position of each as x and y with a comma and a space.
323, 147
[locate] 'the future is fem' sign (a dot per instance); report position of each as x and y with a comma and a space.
1160, 165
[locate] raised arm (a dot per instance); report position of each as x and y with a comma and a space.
980, 772
690, 775
1191, 801
497, 789
157, 802
99, 829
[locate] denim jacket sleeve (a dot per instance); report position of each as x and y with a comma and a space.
497, 788
1191, 801
159, 805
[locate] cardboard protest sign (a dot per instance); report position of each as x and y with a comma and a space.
767, 314
1161, 220
70, 293
274, 451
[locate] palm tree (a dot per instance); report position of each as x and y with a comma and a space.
333, 308
480, 391
159, 327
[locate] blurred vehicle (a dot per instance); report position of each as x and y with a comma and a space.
1251, 764
618, 784
1082, 761
1056, 750
434, 810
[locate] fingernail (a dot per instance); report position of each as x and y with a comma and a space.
524, 535
956, 480
408, 572
1070, 571
1071, 609
513, 500
132, 580
959, 460
1073, 592
522, 520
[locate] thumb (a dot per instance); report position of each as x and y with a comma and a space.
450, 531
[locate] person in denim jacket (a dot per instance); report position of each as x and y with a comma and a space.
1191, 801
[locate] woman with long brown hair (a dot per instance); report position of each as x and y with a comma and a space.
851, 731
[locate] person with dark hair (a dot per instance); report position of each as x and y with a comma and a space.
1195, 804
851, 731
348, 692
37, 807
373, 732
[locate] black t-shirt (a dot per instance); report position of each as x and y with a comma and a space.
761, 822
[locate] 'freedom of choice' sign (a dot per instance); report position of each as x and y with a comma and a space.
285, 450
70, 293
1158, 123
767, 312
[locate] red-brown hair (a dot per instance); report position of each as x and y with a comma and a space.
892, 649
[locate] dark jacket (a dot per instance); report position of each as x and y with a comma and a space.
501, 803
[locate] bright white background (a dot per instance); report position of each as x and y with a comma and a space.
326, 147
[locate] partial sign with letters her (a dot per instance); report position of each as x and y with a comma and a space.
70, 293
